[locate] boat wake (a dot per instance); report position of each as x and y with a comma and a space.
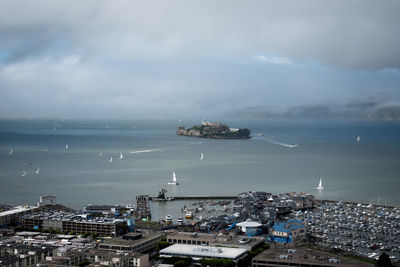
271, 141
143, 151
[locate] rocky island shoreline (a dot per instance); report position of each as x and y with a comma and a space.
214, 130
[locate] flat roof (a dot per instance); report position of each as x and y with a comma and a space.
17, 209
119, 241
213, 239
249, 223
204, 251
310, 256
288, 226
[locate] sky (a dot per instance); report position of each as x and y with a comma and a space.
150, 59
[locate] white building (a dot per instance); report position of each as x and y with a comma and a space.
199, 252
250, 227
12, 215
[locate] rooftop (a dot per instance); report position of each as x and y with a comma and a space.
288, 226
121, 241
17, 209
309, 256
204, 251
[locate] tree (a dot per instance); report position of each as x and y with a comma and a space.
161, 245
384, 260
182, 263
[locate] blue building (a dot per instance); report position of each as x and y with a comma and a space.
289, 231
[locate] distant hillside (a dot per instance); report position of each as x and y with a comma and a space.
385, 114
352, 111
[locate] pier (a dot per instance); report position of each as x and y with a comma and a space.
193, 198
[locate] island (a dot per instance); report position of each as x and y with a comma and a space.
215, 130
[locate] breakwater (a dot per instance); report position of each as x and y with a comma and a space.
192, 198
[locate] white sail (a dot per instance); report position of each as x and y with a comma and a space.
174, 181
110, 160
37, 171
358, 139
121, 156
23, 173
201, 156
11, 152
66, 147
320, 187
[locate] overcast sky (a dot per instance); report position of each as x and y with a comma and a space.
134, 59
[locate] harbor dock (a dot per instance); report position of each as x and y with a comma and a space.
193, 198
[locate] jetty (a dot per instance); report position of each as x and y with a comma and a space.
194, 198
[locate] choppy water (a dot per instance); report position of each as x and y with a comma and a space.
367, 171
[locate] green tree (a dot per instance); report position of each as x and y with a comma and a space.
217, 262
181, 263
161, 245
384, 260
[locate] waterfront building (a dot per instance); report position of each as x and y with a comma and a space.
13, 215
289, 231
207, 252
250, 228
203, 239
66, 221
103, 209
143, 207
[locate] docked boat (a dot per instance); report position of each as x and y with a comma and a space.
320, 187
168, 218
179, 220
174, 181
189, 215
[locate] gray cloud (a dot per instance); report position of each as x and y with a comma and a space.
127, 58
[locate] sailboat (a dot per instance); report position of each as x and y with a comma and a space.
201, 156
100, 154
66, 147
121, 156
110, 160
358, 139
174, 182
23, 173
11, 152
37, 171
320, 187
